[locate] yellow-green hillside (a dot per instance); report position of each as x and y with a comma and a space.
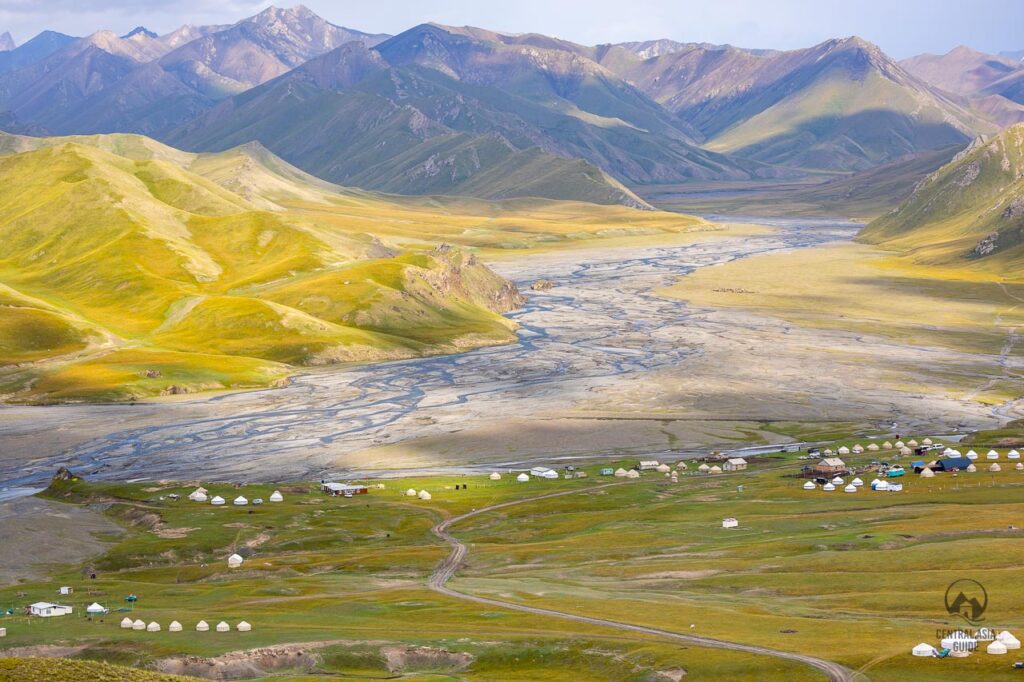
65, 670
969, 213
131, 268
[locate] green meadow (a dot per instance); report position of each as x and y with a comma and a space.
854, 578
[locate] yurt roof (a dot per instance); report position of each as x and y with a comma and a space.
995, 467
850, 488
809, 485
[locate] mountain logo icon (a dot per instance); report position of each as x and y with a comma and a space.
968, 599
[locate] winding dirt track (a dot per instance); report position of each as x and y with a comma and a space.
446, 569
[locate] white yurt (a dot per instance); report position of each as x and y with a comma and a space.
411, 492
153, 627
682, 466
198, 493
139, 625
881, 486
900, 444
202, 626
857, 449
957, 653
235, 560
240, 501
995, 467
716, 469
424, 495
873, 447
223, 627
522, 478
621, 473
828, 452
633, 473
971, 454
838, 480
971, 468
1019, 466
927, 473
992, 455
895, 487
850, 489
926, 441
276, 496
828, 487
948, 452
875, 482
961, 641
663, 468
703, 468
911, 443
243, 627
1012, 454
217, 500
175, 626
923, 649
887, 445
126, 623
95, 608
1007, 638
495, 476
844, 450
857, 482
905, 451
809, 485
996, 648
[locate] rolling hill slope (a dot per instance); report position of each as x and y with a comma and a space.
968, 213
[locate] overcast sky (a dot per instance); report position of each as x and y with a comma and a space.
901, 27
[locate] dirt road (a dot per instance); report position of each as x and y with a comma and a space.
438, 582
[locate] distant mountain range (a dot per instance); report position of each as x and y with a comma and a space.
463, 110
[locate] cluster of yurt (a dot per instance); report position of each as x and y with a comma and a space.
203, 495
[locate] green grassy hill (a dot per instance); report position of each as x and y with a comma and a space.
970, 212
65, 670
132, 268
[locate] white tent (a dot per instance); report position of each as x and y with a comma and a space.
1007, 638
809, 485
240, 501
838, 480
995, 467
276, 496
730, 523
900, 444
663, 468
857, 482
844, 450
682, 466
153, 627
857, 449
523, 478
411, 492
95, 608
495, 476
715, 469
198, 495
175, 626
235, 560
992, 455
926, 441
621, 473
923, 649
997, 648
927, 473
633, 473
905, 451
881, 485
948, 452
887, 445
202, 626
424, 495
960, 641
1012, 454
703, 468
1019, 466
217, 500
971, 468
243, 627
223, 627
828, 487
971, 454
911, 443
139, 625
126, 623
850, 489
873, 447
828, 452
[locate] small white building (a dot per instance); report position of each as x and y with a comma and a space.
202, 626
543, 472
240, 501
198, 495
243, 627
3, 632
217, 501
424, 495
735, 464
223, 627
175, 626
646, 464
45, 609
235, 560
522, 478
276, 496
730, 523
495, 476
126, 623
65, 591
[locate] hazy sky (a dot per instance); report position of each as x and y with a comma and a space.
901, 27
